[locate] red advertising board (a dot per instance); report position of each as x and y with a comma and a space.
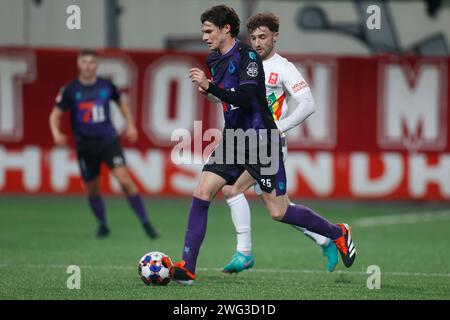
380, 130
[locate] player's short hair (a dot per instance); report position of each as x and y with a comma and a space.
221, 16
265, 19
87, 52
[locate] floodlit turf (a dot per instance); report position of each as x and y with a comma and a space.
41, 236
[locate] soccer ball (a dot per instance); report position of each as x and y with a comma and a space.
154, 268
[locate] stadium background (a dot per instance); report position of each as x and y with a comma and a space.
381, 129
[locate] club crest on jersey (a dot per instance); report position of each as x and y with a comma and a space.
78, 95
103, 93
252, 69
252, 55
231, 67
273, 78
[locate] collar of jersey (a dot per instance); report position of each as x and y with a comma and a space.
275, 56
88, 85
229, 51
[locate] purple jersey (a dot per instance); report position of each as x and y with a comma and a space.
89, 108
242, 65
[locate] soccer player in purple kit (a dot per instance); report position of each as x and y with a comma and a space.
239, 82
87, 98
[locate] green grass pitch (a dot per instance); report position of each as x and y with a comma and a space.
41, 236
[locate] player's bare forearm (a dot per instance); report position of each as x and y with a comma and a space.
131, 131
55, 121
126, 112
305, 107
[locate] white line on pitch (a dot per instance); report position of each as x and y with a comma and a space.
106, 267
402, 219
413, 274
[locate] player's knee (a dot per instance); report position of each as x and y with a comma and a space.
230, 192
93, 193
203, 193
92, 189
128, 187
226, 190
276, 214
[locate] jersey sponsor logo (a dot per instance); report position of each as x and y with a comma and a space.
252, 69
273, 78
87, 108
231, 67
228, 107
93, 113
299, 86
252, 55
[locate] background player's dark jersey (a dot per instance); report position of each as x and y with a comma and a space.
89, 107
242, 65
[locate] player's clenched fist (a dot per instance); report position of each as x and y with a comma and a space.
199, 77
131, 133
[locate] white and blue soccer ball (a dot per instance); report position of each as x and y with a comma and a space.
154, 268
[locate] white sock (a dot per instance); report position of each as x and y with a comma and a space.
240, 214
317, 238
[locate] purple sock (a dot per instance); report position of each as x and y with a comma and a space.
306, 218
98, 207
197, 221
138, 207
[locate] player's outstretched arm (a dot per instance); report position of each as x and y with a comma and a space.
131, 131
55, 120
209, 96
301, 98
304, 107
242, 97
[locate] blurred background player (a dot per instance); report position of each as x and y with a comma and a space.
88, 100
238, 81
283, 83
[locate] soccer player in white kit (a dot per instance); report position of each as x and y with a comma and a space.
284, 84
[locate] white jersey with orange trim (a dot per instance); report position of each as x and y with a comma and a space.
284, 83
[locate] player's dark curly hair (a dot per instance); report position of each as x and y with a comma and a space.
266, 19
87, 52
221, 16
